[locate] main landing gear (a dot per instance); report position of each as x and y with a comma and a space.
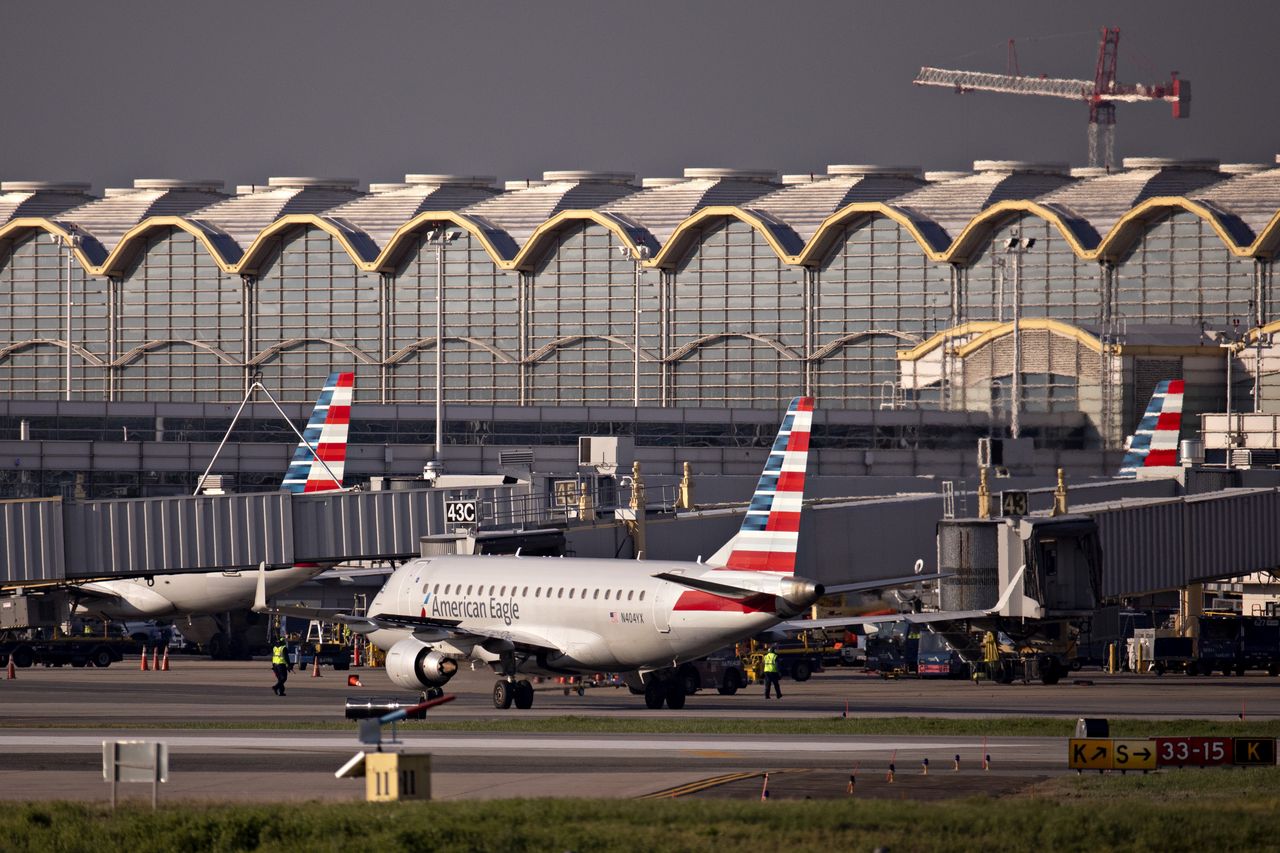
669, 690
508, 692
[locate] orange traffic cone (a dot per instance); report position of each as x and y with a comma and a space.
142, 667
13, 671
315, 666
164, 662
354, 681
155, 658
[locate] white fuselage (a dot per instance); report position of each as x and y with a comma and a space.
603, 615
197, 594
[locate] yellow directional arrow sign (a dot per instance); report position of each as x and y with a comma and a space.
1089, 753
1133, 755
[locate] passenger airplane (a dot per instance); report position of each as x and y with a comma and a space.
564, 616
205, 593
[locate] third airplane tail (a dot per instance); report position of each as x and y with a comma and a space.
1154, 444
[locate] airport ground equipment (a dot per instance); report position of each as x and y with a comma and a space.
1161, 650
31, 647
1229, 643
722, 671
391, 776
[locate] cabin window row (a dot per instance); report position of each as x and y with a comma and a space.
538, 592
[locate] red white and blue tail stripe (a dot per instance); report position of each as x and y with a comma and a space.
771, 530
326, 432
1154, 443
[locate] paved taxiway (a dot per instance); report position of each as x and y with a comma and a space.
39, 762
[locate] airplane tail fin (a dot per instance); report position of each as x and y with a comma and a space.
1155, 442
326, 432
767, 539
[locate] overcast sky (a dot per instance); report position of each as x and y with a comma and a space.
240, 90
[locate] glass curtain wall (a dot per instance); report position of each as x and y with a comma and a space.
1180, 272
481, 326
33, 296
736, 322
171, 297
582, 294
879, 293
310, 293
1054, 282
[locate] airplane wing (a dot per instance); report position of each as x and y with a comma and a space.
730, 591
884, 583
914, 618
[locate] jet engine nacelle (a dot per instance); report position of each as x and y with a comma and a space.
414, 664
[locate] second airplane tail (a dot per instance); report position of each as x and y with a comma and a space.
770, 531
326, 432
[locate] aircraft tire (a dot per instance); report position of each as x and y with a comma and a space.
655, 693
675, 694
689, 678
503, 694
523, 695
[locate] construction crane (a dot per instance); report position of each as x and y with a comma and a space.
1102, 93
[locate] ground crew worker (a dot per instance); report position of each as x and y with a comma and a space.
279, 663
771, 675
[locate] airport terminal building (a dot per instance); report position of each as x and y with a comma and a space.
682, 311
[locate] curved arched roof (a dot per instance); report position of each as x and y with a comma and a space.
1100, 216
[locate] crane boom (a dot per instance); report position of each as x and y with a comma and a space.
1054, 87
1101, 93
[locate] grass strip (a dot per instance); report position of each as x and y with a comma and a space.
831, 726
1114, 813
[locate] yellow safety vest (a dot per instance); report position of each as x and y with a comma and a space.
278, 654
771, 662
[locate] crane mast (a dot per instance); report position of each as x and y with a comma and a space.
1102, 93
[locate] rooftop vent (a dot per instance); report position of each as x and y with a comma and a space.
650, 183
943, 175
582, 176
1170, 163
486, 181
862, 170
1014, 167
709, 174
1244, 168
43, 187
314, 183
206, 186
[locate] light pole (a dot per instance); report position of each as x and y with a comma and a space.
1016, 247
439, 239
637, 255
70, 242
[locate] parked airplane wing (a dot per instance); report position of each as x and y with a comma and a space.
914, 618
884, 583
